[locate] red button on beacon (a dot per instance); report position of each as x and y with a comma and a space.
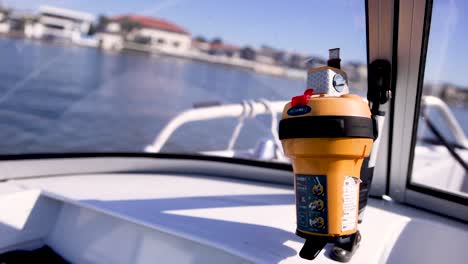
302, 99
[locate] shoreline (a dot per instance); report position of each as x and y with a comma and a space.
192, 54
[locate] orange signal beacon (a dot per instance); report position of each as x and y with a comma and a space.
327, 133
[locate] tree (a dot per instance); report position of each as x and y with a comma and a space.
92, 29
102, 23
127, 25
4, 9
280, 57
296, 61
4, 13
200, 39
18, 24
248, 53
267, 50
217, 40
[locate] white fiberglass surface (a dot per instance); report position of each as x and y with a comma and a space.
254, 221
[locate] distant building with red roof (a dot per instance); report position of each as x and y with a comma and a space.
153, 23
155, 33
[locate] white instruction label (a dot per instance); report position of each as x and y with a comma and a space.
350, 203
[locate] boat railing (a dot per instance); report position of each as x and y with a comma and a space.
242, 111
251, 109
448, 117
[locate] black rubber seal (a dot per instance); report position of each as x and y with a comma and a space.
326, 127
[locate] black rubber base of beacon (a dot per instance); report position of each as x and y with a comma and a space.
312, 248
343, 249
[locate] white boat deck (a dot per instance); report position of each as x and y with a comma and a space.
214, 219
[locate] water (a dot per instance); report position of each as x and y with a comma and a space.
72, 99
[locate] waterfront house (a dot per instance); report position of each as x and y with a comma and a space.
111, 36
224, 49
54, 22
151, 34
265, 55
12, 22
201, 46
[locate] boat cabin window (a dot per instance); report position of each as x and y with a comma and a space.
440, 152
96, 78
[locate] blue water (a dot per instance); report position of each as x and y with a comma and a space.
72, 99
57, 98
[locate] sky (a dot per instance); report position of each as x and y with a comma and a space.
306, 26
300, 25
447, 53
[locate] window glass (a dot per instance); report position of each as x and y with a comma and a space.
442, 149
109, 76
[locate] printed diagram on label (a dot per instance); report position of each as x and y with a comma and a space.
317, 205
311, 201
317, 189
350, 203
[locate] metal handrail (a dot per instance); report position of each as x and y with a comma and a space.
448, 116
244, 110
